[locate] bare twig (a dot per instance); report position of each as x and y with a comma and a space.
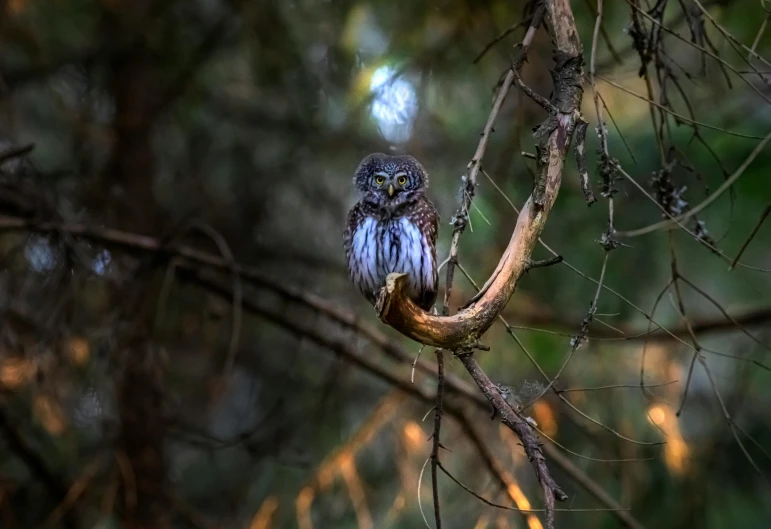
494, 466
523, 430
505, 507
729, 419
497, 39
733, 40
15, 152
435, 463
760, 34
235, 332
680, 117
705, 51
678, 221
617, 386
755, 230
468, 187
697, 356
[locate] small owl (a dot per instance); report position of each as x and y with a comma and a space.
392, 228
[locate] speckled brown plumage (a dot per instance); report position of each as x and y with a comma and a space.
392, 231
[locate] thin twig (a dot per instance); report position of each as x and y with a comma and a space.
762, 219
617, 386
235, 331
435, 436
677, 116
506, 507
677, 220
15, 152
675, 277
730, 421
760, 34
588, 458
468, 187
497, 39
700, 48
732, 39
420, 482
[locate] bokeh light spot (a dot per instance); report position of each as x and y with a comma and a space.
395, 104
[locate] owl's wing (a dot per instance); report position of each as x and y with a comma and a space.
354, 219
427, 219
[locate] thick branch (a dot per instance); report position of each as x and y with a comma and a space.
464, 328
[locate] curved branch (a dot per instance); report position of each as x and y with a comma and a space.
463, 330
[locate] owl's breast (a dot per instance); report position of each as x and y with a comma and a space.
391, 246
363, 259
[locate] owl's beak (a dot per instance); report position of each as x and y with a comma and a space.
391, 190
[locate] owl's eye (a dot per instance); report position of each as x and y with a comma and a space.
402, 180
379, 180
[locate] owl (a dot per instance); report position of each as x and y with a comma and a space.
392, 228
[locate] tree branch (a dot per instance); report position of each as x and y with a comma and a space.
468, 187
464, 329
461, 332
523, 430
213, 283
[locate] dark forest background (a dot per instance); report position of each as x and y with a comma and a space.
180, 345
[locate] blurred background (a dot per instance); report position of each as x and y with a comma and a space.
142, 388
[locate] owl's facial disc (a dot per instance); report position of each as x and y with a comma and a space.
393, 184
390, 184
390, 180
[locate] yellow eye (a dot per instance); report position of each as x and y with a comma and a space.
379, 180
402, 180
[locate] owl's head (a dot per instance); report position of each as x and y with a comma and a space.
390, 180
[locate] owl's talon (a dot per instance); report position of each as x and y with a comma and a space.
463, 351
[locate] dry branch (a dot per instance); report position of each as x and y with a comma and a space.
468, 187
463, 330
523, 430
